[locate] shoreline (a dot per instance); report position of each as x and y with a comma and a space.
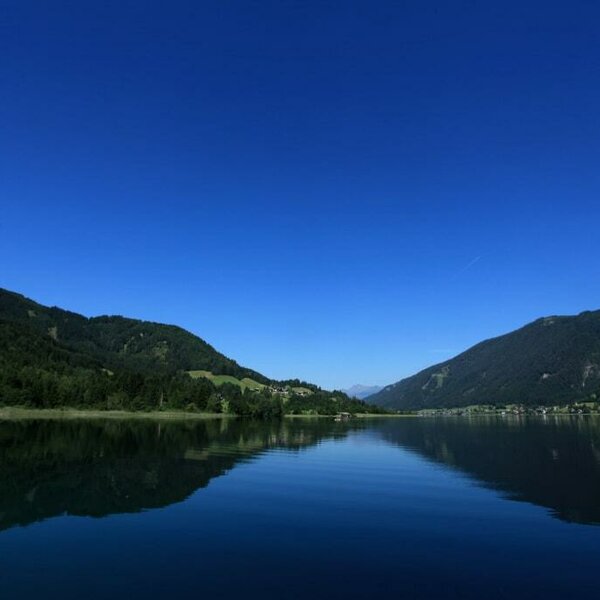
9, 413
13, 413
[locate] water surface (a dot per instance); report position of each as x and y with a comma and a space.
393, 508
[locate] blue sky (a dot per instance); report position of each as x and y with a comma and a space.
339, 191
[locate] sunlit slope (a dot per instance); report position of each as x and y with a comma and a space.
244, 383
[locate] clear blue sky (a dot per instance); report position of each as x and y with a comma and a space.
344, 192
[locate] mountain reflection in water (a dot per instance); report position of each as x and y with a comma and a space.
99, 467
552, 462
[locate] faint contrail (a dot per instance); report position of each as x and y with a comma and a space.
476, 259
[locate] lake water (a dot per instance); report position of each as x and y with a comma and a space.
306, 508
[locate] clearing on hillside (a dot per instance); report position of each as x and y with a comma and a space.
244, 383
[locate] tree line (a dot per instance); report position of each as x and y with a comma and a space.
38, 373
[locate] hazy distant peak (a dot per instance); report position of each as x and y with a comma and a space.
362, 391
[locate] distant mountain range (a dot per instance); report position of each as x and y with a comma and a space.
362, 391
554, 360
51, 353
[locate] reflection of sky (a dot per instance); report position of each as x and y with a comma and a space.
350, 515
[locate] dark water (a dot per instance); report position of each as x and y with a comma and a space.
391, 508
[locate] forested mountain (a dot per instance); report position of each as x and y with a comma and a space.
554, 360
51, 357
119, 342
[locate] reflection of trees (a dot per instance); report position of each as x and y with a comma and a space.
98, 467
552, 461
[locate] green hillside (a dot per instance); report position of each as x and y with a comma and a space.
245, 383
52, 358
119, 342
554, 360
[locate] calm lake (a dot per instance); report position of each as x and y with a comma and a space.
304, 508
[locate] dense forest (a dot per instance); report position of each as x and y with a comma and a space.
552, 361
52, 358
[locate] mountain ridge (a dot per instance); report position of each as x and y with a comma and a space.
122, 341
50, 358
552, 360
